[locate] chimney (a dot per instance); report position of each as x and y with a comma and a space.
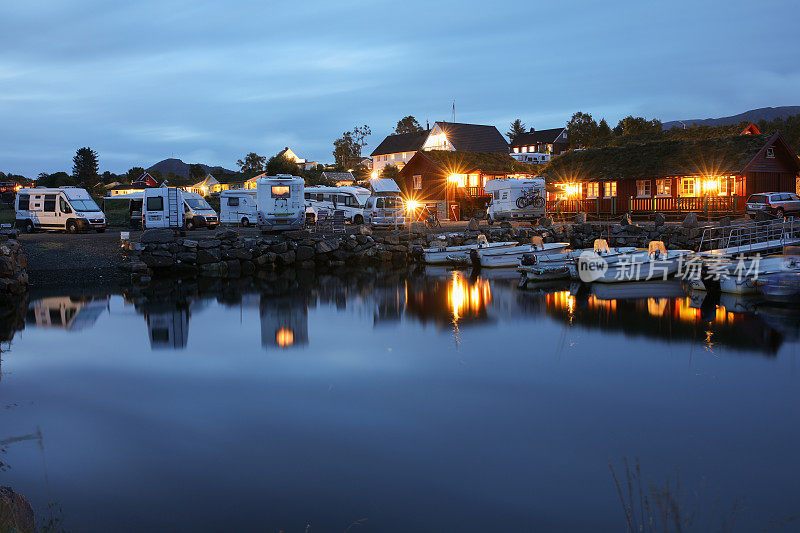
532, 130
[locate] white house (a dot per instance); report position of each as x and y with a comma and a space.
304, 164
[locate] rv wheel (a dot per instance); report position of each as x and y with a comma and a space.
358, 219
28, 226
190, 224
72, 227
245, 222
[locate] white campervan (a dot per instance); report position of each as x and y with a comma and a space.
281, 203
198, 213
238, 206
515, 199
63, 208
349, 200
162, 207
385, 206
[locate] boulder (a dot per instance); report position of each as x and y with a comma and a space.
724, 222
297, 235
580, 218
364, 230
279, 248
16, 512
157, 235
157, 261
505, 224
545, 222
391, 239
304, 253
659, 219
286, 258
208, 255
473, 224
625, 220
208, 243
226, 235
327, 246
690, 221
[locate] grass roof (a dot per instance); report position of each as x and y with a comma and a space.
466, 162
716, 156
692, 133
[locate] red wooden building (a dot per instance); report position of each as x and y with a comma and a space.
713, 175
453, 181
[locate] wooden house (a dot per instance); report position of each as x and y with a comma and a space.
539, 146
675, 174
453, 181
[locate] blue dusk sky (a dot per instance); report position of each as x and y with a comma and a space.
210, 81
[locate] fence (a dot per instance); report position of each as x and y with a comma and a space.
751, 237
675, 205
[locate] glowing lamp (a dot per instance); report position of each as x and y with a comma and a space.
374, 174
412, 205
452, 178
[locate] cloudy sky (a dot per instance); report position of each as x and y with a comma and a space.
209, 81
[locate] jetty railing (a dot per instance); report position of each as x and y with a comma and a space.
745, 238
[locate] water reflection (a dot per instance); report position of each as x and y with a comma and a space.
449, 299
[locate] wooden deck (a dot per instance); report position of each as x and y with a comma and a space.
675, 206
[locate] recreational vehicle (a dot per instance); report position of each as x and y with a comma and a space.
63, 208
162, 207
237, 206
349, 200
197, 212
281, 204
385, 206
515, 199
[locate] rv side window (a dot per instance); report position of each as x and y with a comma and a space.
280, 191
379, 203
24, 202
308, 196
505, 195
233, 201
496, 195
64, 206
50, 203
155, 203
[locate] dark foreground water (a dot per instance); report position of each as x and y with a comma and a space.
439, 402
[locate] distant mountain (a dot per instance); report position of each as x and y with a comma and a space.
179, 168
754, 115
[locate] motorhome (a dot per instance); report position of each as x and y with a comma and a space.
162, 207
238, 206
515, 199
281, 203
349, 200
197, 212
384, 207
64, 208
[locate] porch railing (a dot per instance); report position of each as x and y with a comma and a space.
751, 237
713, 205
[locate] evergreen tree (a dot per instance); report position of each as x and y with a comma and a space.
85, 168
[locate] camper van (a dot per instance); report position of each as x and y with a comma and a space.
384, 207
238, 207
162, 207
515, 199
349, 200
197, 212
64, 208
281, 202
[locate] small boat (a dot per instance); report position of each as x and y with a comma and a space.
740, 275
511, 257
535, 274
459, 255
780, 287
652, 264
551, 264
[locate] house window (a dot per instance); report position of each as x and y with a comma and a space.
723, 186
610, 188
642, 188
688, 187
592, 189
664, 187
418, 182
516, 149
771, 152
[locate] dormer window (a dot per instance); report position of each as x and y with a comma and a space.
771, 152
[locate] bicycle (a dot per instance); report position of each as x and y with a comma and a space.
432, 218
529, 198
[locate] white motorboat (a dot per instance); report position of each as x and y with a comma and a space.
511, 257
738, 275
443, 255
655, 263
562, 265
536, 273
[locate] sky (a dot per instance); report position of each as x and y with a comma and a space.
209, 82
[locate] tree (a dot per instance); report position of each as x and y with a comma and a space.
56, 179
196, 173
604, 130
280, 164
85, 168
631, 125
252, 163
389, 172
407, 125
582, 130
347, 148
517, 128
135, 174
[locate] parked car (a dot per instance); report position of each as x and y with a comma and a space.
774, 203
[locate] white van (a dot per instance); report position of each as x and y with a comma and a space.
385, 207
349, 200
198, 213
281, 203
162, 207
63, 208
515, 199
238, 207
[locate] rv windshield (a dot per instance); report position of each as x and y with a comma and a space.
197, 203
84, 205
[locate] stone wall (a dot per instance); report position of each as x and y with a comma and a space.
13, 265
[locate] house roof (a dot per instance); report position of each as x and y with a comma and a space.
125, 187
403, 142
474, 137
714, 156
692, 133
540, 136
209, 181
338, 176
466, 162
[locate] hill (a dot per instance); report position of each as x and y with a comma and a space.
754, 115
179, 168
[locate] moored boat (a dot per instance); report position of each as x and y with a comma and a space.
511, 257
652, 264
442, 255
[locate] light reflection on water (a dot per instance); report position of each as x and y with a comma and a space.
332, 401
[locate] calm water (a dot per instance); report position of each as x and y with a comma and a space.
440, 402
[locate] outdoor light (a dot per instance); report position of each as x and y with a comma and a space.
374, 174
452, 178
412, 205
711, 185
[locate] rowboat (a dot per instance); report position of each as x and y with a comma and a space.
654, 263
511, 257
460, 254
740, 275
562, 265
